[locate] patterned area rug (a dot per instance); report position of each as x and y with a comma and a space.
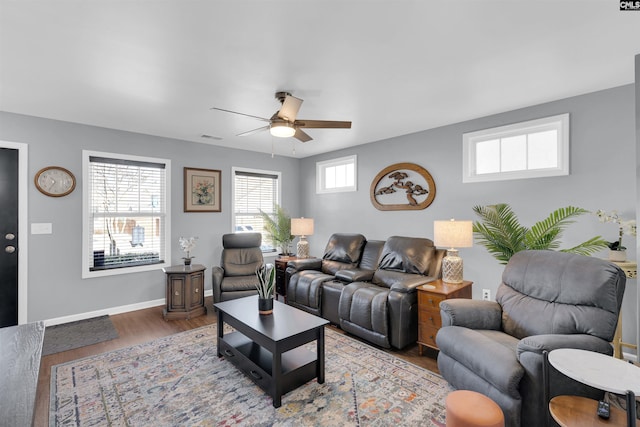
81, 333
180, 381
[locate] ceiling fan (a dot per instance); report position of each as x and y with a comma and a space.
284, 124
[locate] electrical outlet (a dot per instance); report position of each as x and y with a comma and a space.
486, 294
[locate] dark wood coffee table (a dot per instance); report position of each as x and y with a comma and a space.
268, 349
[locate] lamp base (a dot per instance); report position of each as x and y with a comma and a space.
303, 248
452, 267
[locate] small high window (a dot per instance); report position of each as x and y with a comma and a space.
531, 149
336, 175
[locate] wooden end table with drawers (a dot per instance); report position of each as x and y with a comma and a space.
429, 297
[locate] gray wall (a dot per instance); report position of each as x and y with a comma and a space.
602, 177
55, 287
638, 189
603, 162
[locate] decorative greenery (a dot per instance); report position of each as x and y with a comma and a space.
279, 228
503, 235
624, 227
266, 275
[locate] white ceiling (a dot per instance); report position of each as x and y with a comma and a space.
391, 67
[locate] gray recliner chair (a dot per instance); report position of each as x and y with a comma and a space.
547, 300
236, 275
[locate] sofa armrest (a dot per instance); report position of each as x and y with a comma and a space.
529, 353
355, 275
410, 282
217, 274
304, 264
548, 342
473, 314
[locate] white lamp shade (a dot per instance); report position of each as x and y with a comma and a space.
453, 234
302, 226
282, 129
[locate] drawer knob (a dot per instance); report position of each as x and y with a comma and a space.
177, 293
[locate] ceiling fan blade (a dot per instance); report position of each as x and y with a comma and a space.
251, 132
242, 114
290, 107
301, 136
320, 124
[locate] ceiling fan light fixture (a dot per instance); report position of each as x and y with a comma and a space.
282, 129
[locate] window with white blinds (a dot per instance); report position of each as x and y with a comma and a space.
126, 223
255, 191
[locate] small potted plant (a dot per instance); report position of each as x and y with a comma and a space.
187, 245
266, 274
279, 229
617, 252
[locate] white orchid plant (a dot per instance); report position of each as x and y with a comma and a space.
624, 227
188, 244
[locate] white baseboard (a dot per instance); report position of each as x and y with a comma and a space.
630, 356
154, 303
111, 311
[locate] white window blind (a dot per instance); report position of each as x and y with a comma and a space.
126, 213
254, 192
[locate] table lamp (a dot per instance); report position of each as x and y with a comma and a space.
452, 234
302, 227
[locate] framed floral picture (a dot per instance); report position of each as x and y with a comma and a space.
202, 190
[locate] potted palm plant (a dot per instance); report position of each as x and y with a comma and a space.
279, 229
266, 275
503, 235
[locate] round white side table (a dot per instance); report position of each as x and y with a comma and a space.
602, 372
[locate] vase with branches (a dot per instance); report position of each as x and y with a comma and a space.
502, 234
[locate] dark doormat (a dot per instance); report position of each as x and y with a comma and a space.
68, 336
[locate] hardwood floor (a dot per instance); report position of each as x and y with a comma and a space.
145, 325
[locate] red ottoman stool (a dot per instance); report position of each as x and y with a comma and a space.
470, 409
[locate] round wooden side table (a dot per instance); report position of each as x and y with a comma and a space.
599, 371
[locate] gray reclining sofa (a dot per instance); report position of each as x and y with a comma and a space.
368, 288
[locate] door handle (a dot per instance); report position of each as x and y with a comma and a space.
10, 249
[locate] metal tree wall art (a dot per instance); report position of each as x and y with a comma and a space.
403, 186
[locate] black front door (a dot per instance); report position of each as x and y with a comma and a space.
8, 237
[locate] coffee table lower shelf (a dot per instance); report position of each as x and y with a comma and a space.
298, 365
